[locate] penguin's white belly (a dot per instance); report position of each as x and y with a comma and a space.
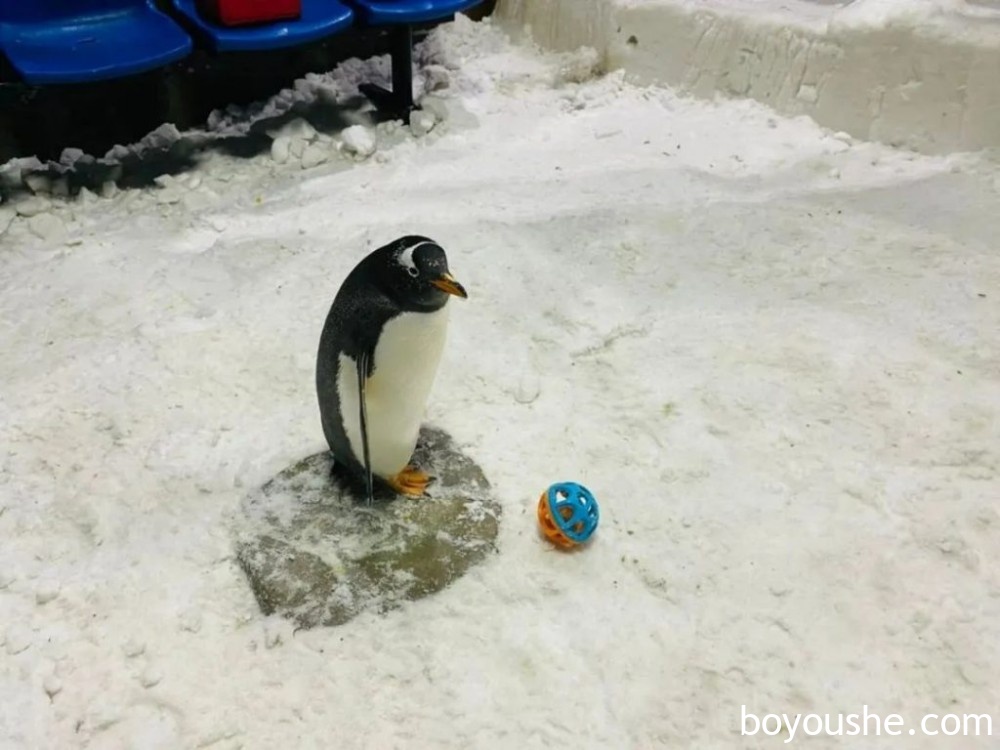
406, 360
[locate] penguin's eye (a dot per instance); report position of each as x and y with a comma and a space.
412, 270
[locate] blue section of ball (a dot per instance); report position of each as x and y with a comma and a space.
583, 514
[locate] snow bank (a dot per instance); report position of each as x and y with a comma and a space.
914, 73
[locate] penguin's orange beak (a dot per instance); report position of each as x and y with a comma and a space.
446, 283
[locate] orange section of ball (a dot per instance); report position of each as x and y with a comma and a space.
552, 532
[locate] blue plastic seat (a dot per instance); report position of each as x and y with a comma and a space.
76, 41
319, 18
383, 12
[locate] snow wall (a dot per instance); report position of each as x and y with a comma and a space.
920, 74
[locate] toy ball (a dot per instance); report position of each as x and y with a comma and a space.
568, 514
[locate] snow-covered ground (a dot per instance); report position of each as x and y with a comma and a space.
913, 73
771, 351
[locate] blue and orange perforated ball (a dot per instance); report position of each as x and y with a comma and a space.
568, 514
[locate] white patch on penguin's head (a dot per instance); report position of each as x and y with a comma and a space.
413, 271
405, 257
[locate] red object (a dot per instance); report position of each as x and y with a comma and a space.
242, 12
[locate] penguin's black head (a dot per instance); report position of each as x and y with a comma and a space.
414, 271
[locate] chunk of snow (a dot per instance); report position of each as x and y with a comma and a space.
169, 196
359, 140
71, 156
86, 196
421, 123
7, 215
33, 206
436, 78
39, 184
578, 66
46, 226
436, 106
297, 130
280, 149
314, 155
884, 13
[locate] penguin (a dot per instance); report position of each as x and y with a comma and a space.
378, 356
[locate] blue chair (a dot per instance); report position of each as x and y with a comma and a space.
319, 18
400, 16
387, 12
78, 41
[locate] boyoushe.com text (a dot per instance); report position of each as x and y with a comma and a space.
863, 724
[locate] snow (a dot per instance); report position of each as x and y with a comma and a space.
358, 139
770, 350
912, 73
421, 122
879, 13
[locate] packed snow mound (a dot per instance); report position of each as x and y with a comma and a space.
331, 100
912, 73
912, 13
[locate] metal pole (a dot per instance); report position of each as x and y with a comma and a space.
402, 68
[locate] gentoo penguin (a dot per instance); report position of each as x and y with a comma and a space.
378, 355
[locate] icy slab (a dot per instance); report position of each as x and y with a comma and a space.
313, 554
918, 74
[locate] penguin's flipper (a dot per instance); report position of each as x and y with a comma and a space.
363, 372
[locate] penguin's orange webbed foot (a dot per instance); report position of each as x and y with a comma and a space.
410, 481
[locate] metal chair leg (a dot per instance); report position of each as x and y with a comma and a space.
398, 103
